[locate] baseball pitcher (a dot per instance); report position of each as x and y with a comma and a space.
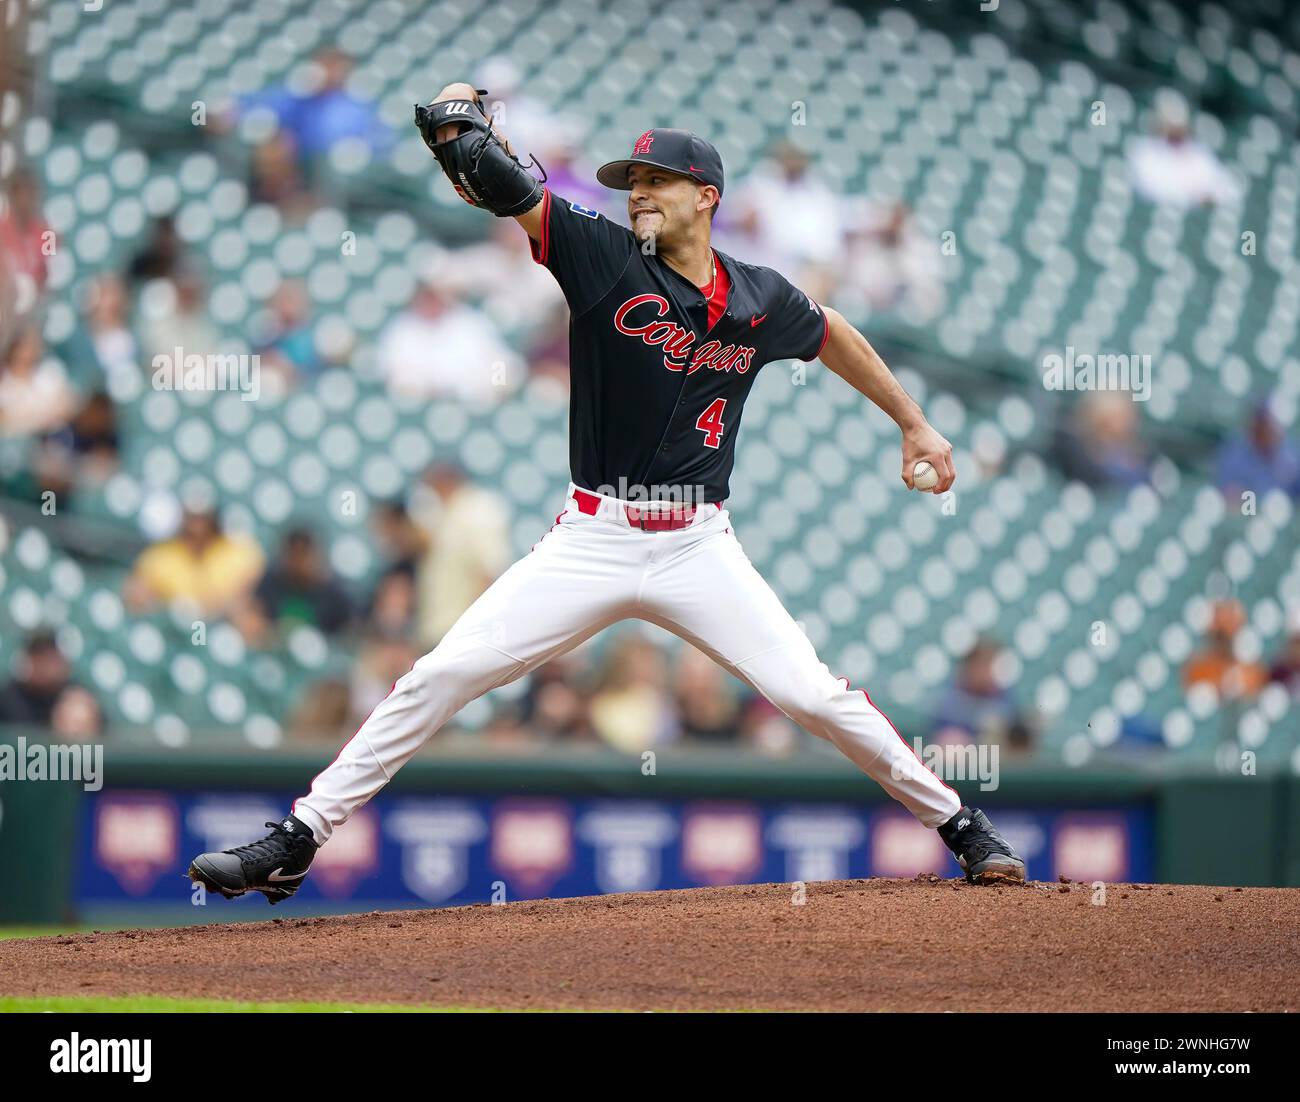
666, 336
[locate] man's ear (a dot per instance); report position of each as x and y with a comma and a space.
707, 192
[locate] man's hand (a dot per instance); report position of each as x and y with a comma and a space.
454, 91
922, 442
849, 354
485, 172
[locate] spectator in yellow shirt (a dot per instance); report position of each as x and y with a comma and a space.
200, 565
469, 546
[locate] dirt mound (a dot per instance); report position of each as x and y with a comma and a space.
924, 944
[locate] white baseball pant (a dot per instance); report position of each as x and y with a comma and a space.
591, 571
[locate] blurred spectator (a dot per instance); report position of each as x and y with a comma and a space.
501, 277
707, 709
35, 395
548, 355
92, 433
571, 178
1217, 664
288, 340
977, 706
84, 453
1286, 667
528, 123
323, 712
9, 305
200, 564
176, 316
555, 706
469, 546
162, 254
392, 605
1258, 459
890, 265
26, 239
503, 731
326, 114
790, 220
277, 179
632, 709
108, 327
1140, 735
1099, 444
1170, 167
380, 662
298, 588
765, 728
333, 709
402, 543
42, 694
441, 347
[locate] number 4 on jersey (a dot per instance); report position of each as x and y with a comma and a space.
710, 423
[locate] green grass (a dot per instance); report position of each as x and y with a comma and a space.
7, 932
155, 1004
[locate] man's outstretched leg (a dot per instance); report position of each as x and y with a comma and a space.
581, 577
712, 596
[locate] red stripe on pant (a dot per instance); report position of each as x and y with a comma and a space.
910, 749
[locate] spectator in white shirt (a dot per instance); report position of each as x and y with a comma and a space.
35, 395
891, 266
1174, 169
790, 220
501, 276
440, 347
527, 120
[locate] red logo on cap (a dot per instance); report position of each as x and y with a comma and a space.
643, 143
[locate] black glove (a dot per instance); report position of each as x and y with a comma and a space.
483, 172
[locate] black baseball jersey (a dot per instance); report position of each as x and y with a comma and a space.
656, 396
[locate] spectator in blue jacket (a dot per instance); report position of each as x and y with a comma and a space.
1259, 459
318, 119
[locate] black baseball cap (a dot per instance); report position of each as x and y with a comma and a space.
678, 151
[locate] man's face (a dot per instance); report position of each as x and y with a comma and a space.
47, 670
662, 204
198, 529
23, 197
300, 559
1264, 433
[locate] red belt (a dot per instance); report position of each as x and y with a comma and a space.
650, 518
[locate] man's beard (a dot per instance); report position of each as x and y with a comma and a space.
648, 227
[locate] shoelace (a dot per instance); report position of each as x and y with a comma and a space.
986, 841
264, 847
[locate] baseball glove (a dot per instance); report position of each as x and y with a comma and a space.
480, 167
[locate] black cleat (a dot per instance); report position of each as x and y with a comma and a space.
274, 866
982, 852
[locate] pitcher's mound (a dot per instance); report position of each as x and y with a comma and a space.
923, 944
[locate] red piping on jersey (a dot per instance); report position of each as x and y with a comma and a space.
910, 749
717, 293
541, 249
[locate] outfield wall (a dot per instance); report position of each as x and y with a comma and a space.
458, 828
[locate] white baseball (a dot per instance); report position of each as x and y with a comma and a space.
924, 476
